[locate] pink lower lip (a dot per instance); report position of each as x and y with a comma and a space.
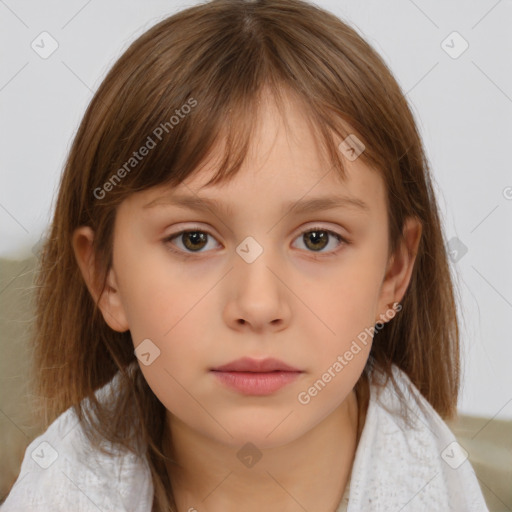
252, 383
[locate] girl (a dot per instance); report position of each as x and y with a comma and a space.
244, 301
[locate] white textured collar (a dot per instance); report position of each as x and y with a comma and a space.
420, 467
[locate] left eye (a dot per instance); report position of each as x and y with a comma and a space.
194, 240
319, 238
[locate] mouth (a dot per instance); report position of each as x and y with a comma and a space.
256, 377
248, 364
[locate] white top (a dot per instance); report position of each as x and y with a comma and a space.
395, 467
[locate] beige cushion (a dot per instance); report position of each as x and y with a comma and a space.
488, 442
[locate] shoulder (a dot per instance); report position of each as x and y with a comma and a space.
416, 465
61, 471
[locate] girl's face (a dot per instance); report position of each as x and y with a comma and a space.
251, 282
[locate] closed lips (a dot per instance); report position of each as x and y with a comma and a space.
246, 364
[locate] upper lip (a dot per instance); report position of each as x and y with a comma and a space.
247, 364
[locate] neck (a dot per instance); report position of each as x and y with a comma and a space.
309, 473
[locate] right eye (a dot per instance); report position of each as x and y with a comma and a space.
192, 240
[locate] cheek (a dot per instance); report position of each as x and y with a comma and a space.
351, 297
348, 308
156, 294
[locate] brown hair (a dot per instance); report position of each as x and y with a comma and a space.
217, 58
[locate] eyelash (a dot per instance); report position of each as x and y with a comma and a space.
342, 241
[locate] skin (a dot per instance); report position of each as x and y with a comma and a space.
293, 302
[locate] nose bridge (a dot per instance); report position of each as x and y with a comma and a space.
257, 291
254, 258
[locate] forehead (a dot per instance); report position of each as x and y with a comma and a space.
286, 164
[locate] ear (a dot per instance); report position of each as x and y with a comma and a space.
109, 301
399, 269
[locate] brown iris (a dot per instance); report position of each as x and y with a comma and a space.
319, 239
195, 238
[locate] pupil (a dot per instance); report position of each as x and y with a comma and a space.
196, 237
318, 236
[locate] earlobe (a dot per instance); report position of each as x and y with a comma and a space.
109, 299
401, 265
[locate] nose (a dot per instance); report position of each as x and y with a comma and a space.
258, 298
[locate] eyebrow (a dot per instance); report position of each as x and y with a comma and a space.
301, 206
